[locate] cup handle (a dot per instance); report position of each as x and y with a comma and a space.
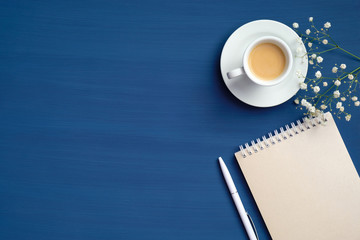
235, 73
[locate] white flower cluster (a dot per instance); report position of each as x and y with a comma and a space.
356, 102
316, 89
299, 74
302, 85
308, 106
313, 37
299, 51
327, 25
340, 106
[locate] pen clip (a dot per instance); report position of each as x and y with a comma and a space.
253, 225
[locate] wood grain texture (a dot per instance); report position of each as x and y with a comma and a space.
113, 113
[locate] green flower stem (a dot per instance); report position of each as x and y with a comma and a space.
322, 95
307, 36
329, 77
330, 44
349, 89
318, 53
335, 46
348, 53
350, 73
332, 40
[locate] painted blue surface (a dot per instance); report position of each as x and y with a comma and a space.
113, 114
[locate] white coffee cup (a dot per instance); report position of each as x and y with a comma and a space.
245, 69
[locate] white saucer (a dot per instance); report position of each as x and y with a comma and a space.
242, 87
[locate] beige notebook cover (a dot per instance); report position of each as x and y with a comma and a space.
305, 186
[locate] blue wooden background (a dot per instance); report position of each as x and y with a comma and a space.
113, 114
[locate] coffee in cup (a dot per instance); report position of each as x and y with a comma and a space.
266, 61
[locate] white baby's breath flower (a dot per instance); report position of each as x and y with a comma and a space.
306, 120
325, 84
350, 76
298, 74
343, 99
299, 50
311, 19
354, 98
307, 31
311, 62
337, 82
327, 25
316, 89
357, 103
343, 66
319, 59
342, 109
312, 109
318, 113
318, 74
303, 102
338, 105
325, 41
303, 86
336, 94
348, 117
295, 25
296, 101
323, 107
334, 69
310, 44
313, 56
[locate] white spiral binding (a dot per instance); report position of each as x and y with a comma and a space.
265, 141
253, 145
276, 137
294, 128
300, 125
288, 131
258, 141
305, 120
271, 138
283, 133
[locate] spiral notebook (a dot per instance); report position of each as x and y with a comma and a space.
304, 182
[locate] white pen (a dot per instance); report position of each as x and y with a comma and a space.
245, 217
